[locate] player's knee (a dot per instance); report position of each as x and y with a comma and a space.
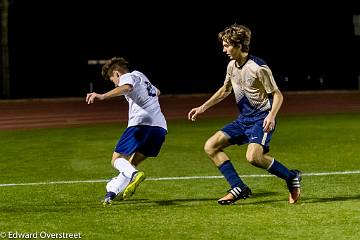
253, 157
209, 149
113, 162
114, 157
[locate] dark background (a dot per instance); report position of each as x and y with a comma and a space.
175, 44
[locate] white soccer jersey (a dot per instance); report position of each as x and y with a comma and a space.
144, 106
252, 84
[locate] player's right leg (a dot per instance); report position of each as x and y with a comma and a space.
136, 178
214, 149
133, 185
235, 194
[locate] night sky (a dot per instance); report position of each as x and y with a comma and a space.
175, 44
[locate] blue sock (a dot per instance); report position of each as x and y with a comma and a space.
229, 172
280, 170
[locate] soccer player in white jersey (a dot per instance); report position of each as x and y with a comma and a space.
146, 128
258, 99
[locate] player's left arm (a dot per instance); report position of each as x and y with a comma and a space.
267, 79
269, 121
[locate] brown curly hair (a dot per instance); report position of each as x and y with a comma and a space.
115, 63
236, 35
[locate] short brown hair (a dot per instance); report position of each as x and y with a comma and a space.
114, 64
236, 35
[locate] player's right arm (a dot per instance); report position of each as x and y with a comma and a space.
217, 97
123, 89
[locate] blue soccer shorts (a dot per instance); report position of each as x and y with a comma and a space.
242, 131
146, 140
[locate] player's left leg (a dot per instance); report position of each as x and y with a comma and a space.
122, 163
115, 187
255, 155
292, 177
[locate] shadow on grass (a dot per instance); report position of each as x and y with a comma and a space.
330, 199
255, 199
75, 206
165, 202
168, 202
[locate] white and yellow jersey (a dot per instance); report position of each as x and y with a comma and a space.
144, 106
252, 84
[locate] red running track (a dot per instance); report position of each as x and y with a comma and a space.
40, 113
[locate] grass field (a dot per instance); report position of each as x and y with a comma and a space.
44, 166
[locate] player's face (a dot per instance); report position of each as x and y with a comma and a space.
115, 78
231, 51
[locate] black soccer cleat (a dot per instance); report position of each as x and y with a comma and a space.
235, 194
294, 187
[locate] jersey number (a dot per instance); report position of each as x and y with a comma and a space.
150, 88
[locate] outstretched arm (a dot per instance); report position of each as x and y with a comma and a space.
220, 95
90, 97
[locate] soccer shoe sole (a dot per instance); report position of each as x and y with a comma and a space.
227, 200
131, 188
294, 196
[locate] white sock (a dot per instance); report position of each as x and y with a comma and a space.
118, 184
124, 166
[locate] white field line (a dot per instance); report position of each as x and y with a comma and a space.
175, 178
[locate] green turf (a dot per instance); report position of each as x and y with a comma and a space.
182, 209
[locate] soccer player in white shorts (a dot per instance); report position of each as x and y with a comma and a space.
146, 129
